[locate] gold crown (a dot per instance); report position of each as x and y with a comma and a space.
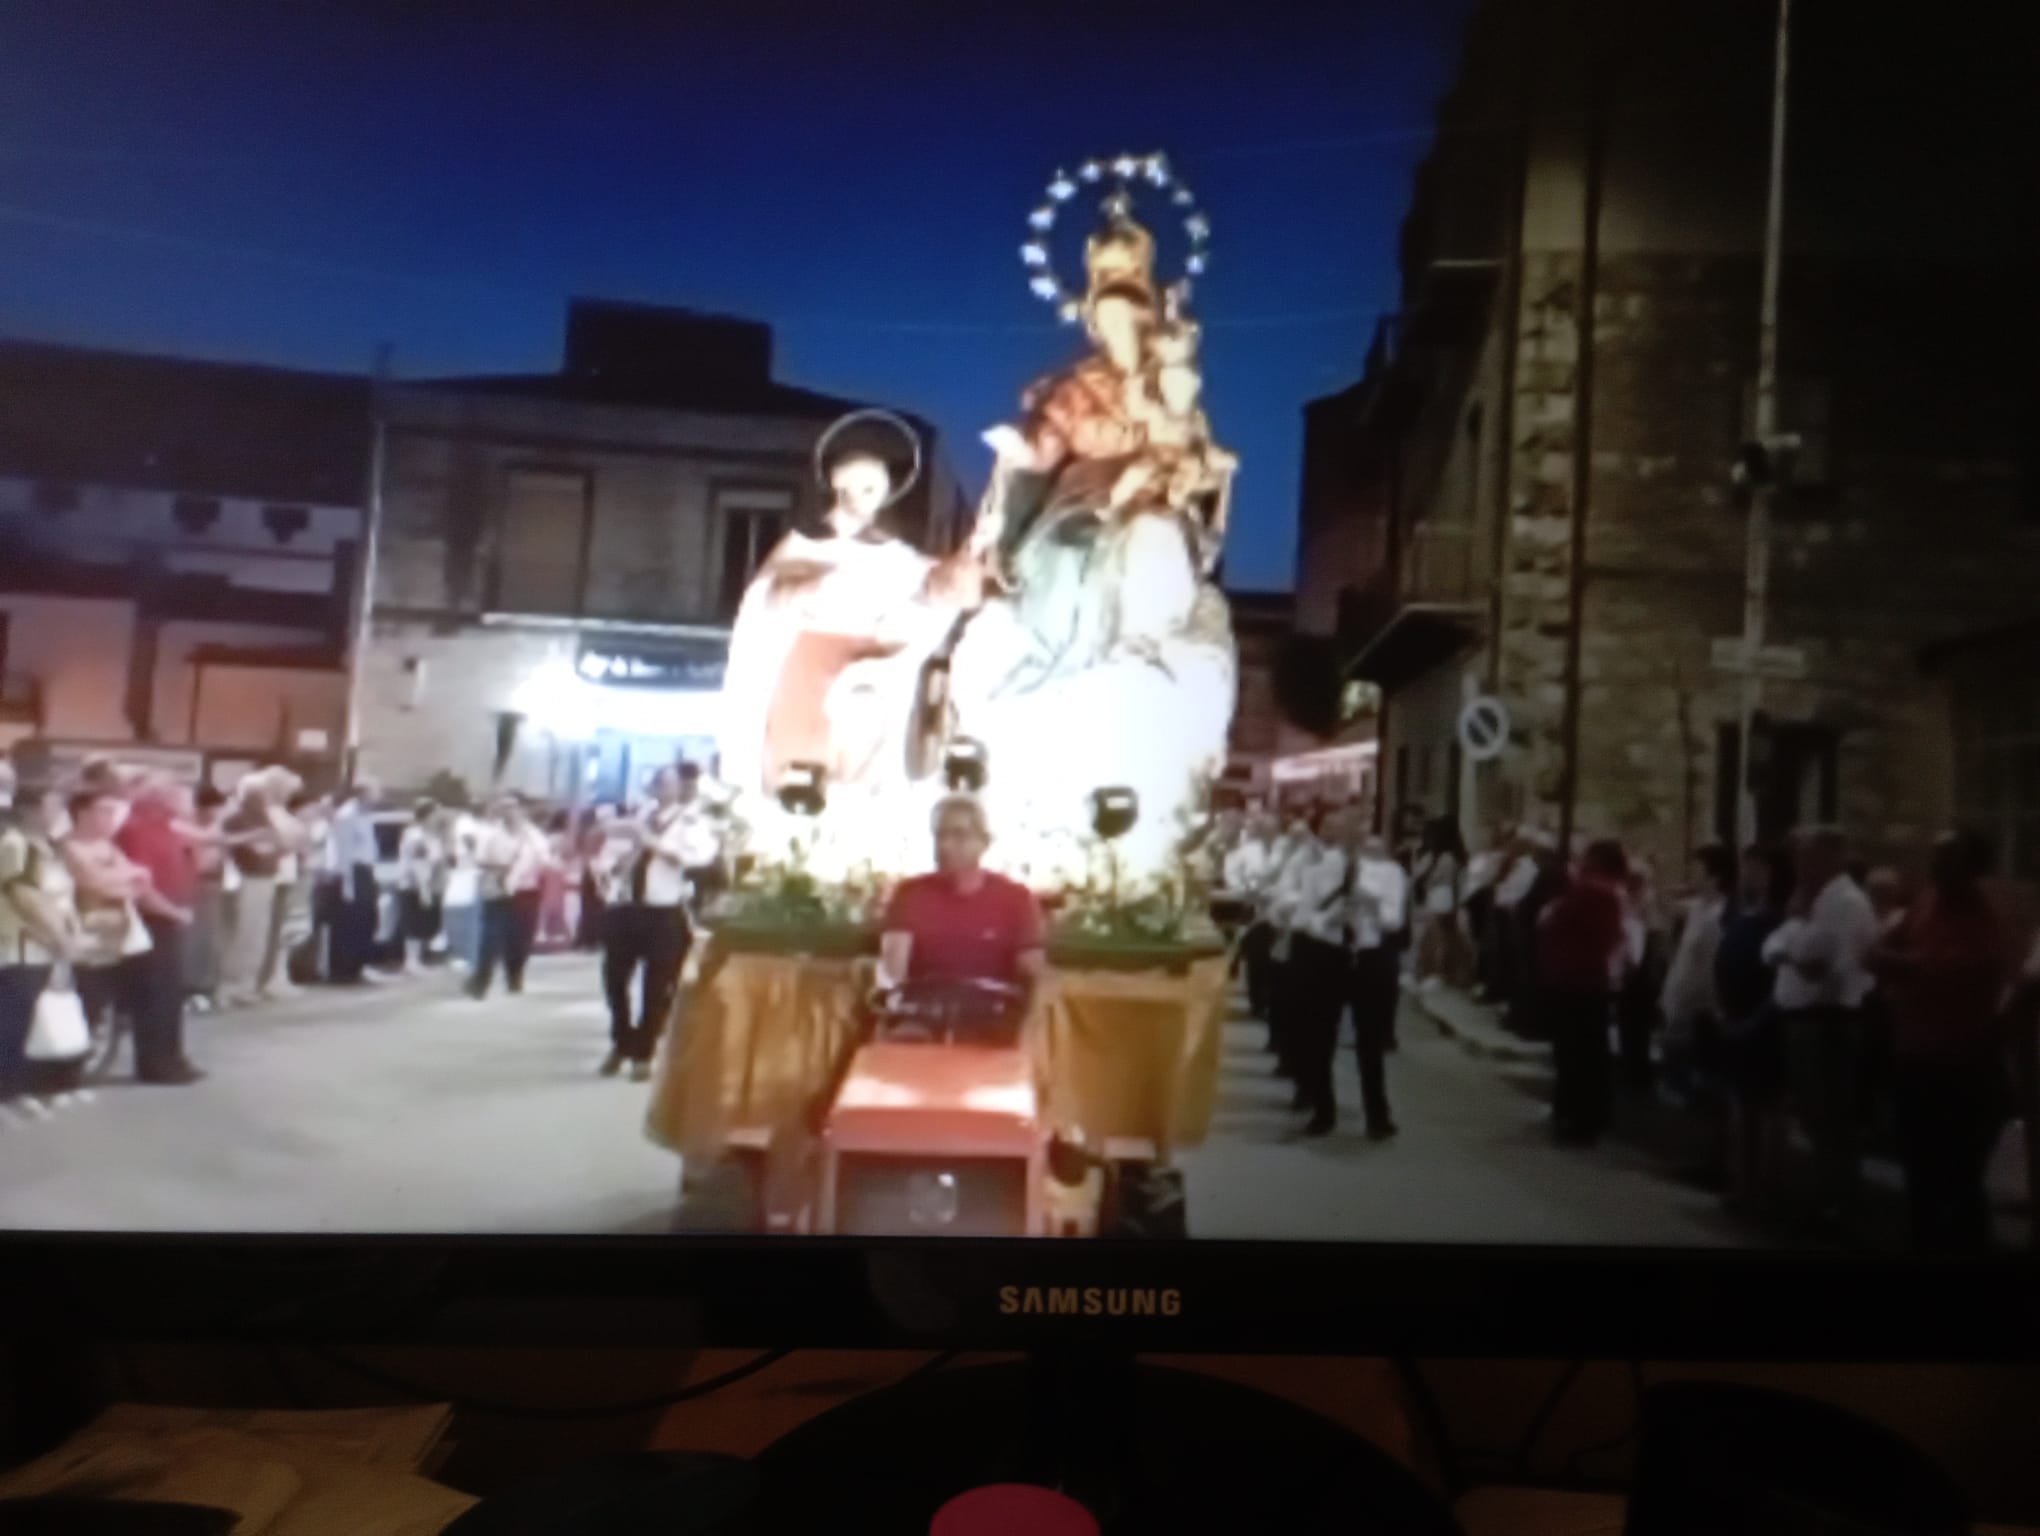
1120, 255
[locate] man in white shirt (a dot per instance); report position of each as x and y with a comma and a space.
1377, 912
350, 860
647, 932
1250, 871
1821, 987
1311, 902
513, 857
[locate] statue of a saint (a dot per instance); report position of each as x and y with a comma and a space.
828, 646
1109, 658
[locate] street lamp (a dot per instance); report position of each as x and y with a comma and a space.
1114, 812
803, 789
965, 767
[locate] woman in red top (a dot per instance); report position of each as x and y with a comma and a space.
1578, 958
1944, 969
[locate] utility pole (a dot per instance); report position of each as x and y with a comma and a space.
1764, 482
363, 605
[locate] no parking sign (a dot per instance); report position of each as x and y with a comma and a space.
1484, 727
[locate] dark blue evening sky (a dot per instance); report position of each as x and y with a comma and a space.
297, 182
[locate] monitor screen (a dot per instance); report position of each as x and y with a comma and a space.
1374, 623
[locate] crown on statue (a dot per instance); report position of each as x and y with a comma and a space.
1121, 255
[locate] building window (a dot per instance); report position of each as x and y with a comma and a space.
196, 514
1997, 768
542, 541
52, 498
1796, 771
285, 523
752, 521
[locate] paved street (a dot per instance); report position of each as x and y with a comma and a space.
410, 1108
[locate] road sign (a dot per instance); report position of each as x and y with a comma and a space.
1782, 662
1484, 727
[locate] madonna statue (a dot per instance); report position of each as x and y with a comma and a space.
1107, 659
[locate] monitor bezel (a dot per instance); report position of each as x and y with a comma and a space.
1239, 1297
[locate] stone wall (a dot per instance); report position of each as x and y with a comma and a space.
1918, 536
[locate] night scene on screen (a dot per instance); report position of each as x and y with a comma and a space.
1392, 622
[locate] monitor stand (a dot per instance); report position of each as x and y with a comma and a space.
1144, 1448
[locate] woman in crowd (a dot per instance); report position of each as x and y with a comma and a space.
461, 910
39, 936
1580, 957
1687, 999
302, 820
591, 843
1944, 967
1642, 980
205, 831
421, 872
255, 849
513, 858
556, 886
113, 971
1483, 875
1749, 1030
1438, 881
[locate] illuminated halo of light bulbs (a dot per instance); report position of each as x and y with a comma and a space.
893, 419
1126, 171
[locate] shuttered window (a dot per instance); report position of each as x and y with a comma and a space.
542, 542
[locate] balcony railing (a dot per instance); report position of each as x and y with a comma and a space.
1438, 564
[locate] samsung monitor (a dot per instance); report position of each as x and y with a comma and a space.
1321, 677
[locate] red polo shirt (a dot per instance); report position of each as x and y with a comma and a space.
965, 935
149, 837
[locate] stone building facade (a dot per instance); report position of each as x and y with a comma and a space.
559, 556
1568, 392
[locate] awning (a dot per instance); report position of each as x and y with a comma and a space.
1420, 637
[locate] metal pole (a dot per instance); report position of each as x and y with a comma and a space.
364, 575
1757, 555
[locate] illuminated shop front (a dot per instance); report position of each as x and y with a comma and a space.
612, 710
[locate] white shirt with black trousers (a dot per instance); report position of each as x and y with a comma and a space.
1314, 891
647, 930
1378, 905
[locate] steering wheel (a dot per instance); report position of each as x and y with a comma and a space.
934, 1007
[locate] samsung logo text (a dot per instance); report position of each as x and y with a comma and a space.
1088, 1301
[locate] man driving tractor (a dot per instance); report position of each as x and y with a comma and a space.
963, 924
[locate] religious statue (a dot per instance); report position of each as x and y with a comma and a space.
829, 643
1108, 657
1076, 643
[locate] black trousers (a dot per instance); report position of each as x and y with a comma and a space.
20, 986
509, 927
1584, 1067
1376, 992
1260, 968
351, 938
1320, 980
592, 927
650, 943
1947, 1119
145, 991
